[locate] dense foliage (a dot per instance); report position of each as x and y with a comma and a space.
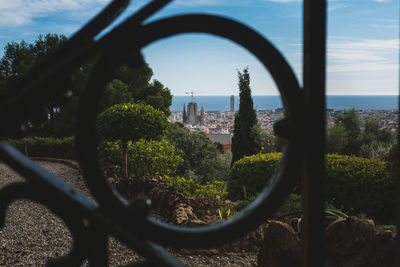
63, 148
249, 175
130, 122
350, 122
346, 137
354, 184
244, 140
202, 158
145, 158
17, 59
361, 186
128, 83
210, 190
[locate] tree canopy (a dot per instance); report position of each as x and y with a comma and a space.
201, 156
347, 137
349, 120
244, 140
128, 83
131, 122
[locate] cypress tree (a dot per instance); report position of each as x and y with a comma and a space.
244, 140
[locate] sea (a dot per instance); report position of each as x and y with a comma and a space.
272, 102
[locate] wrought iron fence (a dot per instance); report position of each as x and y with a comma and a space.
91, 222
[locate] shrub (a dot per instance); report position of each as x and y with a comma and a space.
145, 158
209, 190
250, 174
361, 185
130, 122
63, 148
354, 184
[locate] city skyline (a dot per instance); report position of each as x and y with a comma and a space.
362, 42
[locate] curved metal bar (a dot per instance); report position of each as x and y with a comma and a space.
36, 88
113, 215
55, 194
28, 191
274, 193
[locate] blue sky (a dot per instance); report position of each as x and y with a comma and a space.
363, 42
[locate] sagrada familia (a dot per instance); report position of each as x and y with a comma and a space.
191, 116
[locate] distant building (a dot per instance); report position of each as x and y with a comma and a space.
191, 116
232, 103
192, 113
202, 117
184, 116
225, 139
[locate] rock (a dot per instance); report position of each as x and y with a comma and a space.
180, 216
281, 246
175, 206
354, 242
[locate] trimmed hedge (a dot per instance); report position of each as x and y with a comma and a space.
249, 175
361, 185
145, 158
62, 148
356, 185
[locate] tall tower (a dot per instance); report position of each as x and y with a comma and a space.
232, 103
202, 115
184, 116
192, 113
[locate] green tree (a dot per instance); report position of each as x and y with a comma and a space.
145, 158
244, 140
376, 142
374, 150
349, 120
220, 147
201, 156
142, 90
18, 58
129, 83
336, 139
266, 140
130, 122
116, 92
374, 132
153, 158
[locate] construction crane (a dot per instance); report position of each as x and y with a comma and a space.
192, 94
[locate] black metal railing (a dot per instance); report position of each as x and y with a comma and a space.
91, 222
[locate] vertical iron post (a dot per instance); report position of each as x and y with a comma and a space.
314, 52
395, 169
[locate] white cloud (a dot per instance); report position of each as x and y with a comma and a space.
22, 12
337, 6
386, 24
362, 55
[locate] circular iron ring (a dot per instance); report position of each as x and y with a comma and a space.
278, 187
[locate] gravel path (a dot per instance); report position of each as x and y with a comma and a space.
32, 234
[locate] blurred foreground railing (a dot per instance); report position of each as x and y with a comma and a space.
92, 222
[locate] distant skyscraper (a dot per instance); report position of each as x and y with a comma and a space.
232, 103
202, 115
